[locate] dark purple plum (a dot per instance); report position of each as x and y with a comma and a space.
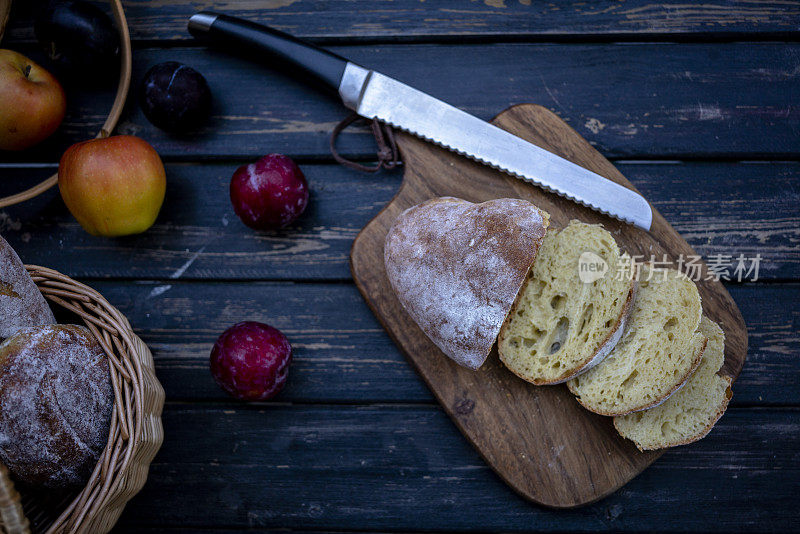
79, 38
270, 193
175, 97
251, 360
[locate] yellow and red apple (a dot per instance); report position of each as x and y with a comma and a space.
32, 102
113, 186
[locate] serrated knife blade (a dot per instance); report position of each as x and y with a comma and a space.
376, 96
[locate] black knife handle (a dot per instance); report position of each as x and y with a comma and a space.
301, 58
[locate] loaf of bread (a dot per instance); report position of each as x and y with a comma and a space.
21, 302
457, 267
566, 321
56, 400
689, 414
659, 351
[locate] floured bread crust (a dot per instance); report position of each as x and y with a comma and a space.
21, 303
56, 400
457, 267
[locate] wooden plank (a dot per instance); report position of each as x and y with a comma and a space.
722, 209
743, 209
347, 357
630, 100
406, 468
198, 235
338, 357
439, 19
188, 530
250, 530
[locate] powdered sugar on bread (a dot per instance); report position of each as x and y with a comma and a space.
457, 267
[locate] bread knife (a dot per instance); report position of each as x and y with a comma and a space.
376, 96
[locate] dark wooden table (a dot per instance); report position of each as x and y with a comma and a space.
699, 106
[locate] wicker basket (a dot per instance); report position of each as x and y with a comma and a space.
136, 432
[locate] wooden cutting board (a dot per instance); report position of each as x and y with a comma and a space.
538, 439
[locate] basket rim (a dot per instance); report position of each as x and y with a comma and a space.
123, 86
136, 430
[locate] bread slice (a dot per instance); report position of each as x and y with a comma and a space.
457, 267
565, 321
659, 351
690, 413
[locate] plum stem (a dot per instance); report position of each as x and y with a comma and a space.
27, 71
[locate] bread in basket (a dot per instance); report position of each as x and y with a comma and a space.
136, 432
135, 435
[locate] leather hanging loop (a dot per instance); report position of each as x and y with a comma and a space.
388, 155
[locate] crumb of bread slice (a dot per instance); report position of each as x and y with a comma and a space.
689, 414
564, 322
657, 354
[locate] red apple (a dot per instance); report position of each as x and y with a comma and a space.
32, 102
270, 193
113, 186
251, 360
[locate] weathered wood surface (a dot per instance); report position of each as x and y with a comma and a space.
443, 19
661, 100
744, 208
404, 468
307, 467
347, 358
